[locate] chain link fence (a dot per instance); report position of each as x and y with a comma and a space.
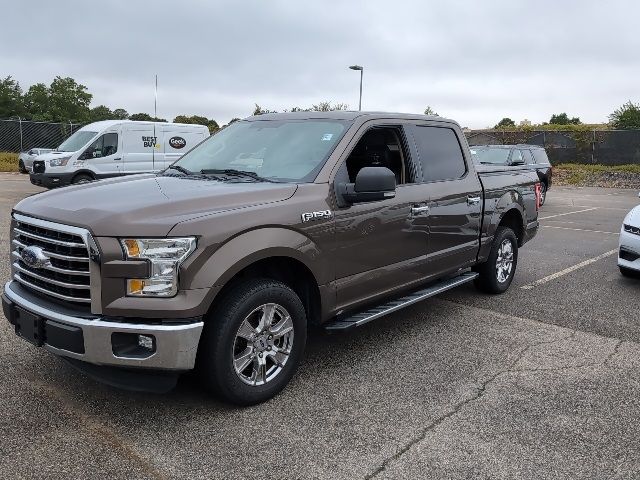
17, 135
605, 147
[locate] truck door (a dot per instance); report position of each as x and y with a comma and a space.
104, 156
455, 198
383, 244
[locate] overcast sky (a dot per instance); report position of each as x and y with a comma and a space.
472, 61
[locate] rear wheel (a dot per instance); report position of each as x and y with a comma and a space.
21, 167
252, 342
496, 274
82, 178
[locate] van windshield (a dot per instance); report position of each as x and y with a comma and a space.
76, 141
276, 150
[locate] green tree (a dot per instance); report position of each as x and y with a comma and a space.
505, 122
101, 112
563, 119
627, 117
261, 111
328, 107
211, 124
145, 117
11, 103
36, 102
68, 100
120, 114
430, 111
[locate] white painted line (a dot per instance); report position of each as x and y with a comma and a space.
581, 230
553, 276
568, 213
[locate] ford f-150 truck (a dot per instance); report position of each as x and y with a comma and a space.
221, 262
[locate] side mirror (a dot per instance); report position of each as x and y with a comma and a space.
372, 184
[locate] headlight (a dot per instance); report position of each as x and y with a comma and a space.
165, 256
59, 162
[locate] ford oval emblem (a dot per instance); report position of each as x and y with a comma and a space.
177, 142
34, 257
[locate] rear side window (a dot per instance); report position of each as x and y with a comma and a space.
540, 155
528, 158
516, 156
440, 153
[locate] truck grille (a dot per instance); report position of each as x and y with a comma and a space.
62, 269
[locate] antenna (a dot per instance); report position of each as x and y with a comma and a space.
155, 118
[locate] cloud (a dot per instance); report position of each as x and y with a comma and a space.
473, 61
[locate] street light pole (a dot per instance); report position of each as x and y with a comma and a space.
361, 69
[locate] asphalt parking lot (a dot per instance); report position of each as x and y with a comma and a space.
541, 382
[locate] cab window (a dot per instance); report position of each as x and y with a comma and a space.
381, 147
103, 146
440, 153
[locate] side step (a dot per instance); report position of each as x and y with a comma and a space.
381, 310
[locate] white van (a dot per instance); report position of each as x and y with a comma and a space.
115, 147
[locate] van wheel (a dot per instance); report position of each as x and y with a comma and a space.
497, 272
252, 342
82, 178
21, 167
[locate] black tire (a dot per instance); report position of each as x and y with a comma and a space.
215, 362
629, 273
543, 193
21, 167
487, 280
82, 178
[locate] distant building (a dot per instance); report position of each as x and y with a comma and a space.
525, 123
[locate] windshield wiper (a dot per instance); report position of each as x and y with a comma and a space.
179, 169
236, 173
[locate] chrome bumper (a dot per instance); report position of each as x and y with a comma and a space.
175, 345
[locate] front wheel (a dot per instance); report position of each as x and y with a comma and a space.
252, 342
82, 178
496, 274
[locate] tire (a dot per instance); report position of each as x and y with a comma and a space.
222, 348
21, 167
81, 178
490, 279
629, 273
543, 193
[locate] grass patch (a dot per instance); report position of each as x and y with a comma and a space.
581, 169
8, 162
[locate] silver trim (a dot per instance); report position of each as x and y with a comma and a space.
55, 269
53, 255
21, 280
176, 345
419, 210
50, 280
49, 240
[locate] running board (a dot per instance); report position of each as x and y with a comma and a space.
381, 310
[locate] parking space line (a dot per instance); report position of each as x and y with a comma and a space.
581, 230
561, 273
567, 213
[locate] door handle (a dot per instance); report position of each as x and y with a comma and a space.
419, 210
116, 159
473, 200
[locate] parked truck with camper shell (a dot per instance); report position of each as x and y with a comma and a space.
221, 261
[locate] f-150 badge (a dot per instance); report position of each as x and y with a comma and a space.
322, 214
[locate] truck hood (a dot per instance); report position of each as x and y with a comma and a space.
146, 205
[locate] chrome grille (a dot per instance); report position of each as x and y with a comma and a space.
65, 275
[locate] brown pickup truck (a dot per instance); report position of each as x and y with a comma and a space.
221, 262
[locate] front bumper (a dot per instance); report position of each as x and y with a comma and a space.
51, 180
629, 253
98, 340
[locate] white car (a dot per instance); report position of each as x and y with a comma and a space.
629, 255
25, 159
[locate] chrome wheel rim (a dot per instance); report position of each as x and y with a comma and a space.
263, 344
543, 194
504, 262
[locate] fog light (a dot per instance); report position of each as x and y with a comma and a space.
145, 341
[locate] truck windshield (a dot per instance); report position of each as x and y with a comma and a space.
277, 150
486, 155
76, 141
